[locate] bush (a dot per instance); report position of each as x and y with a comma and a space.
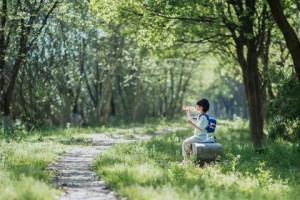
284, 111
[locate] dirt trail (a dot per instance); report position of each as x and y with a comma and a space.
74, 172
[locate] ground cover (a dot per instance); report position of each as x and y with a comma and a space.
22, 170
25, 156
149, 169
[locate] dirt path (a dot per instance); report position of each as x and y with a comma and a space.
74, 172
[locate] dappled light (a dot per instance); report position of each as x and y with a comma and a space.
149, 100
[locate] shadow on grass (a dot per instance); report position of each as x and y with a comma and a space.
281, 159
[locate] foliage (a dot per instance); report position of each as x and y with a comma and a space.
162, 23
222, 85
111, 62
21, 24
80, 66
234, 28
13, 134
283, 111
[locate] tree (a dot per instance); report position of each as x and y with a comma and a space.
21, 24
237, 28
290, 36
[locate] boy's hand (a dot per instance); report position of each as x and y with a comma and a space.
186, 108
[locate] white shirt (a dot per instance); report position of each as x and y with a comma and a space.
202, 123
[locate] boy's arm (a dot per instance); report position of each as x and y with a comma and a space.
191, 121
188, 116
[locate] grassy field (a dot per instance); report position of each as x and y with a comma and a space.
24, 156
149, 169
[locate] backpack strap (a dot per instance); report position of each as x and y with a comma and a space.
207, 117
210, 139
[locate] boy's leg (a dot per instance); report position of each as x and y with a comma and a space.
187, 146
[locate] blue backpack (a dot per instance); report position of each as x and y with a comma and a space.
212, 123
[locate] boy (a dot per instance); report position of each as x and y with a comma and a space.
200, 123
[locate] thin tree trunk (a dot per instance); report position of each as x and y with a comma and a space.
3, 44
7, 94
106, 106
75, 116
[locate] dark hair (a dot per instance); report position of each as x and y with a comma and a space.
204, 103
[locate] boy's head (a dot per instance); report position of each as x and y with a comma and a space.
204, 103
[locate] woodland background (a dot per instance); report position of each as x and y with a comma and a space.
91, 63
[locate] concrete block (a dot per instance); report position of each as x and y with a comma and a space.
206, 151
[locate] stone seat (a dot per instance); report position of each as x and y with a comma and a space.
204, 151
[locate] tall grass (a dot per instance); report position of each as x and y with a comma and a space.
22, 170
149, 169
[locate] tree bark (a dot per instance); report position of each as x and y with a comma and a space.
3, 45
75, 116
255, 98
248, 60
288, 32
253, 80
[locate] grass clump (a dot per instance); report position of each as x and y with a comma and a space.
22, 170
26, 188
149, 169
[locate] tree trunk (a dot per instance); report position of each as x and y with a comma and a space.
75, 116
7, 122
106, 106
248, 60
3, 44
6, 95
267, 90
76, 120
288, 32
254, 94
255, 97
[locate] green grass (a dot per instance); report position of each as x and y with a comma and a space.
22, 170
70, 136
149, 169
25, 156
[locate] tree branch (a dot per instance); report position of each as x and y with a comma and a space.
43, 23
288, 32
202, 19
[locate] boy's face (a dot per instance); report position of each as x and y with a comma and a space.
199, 109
